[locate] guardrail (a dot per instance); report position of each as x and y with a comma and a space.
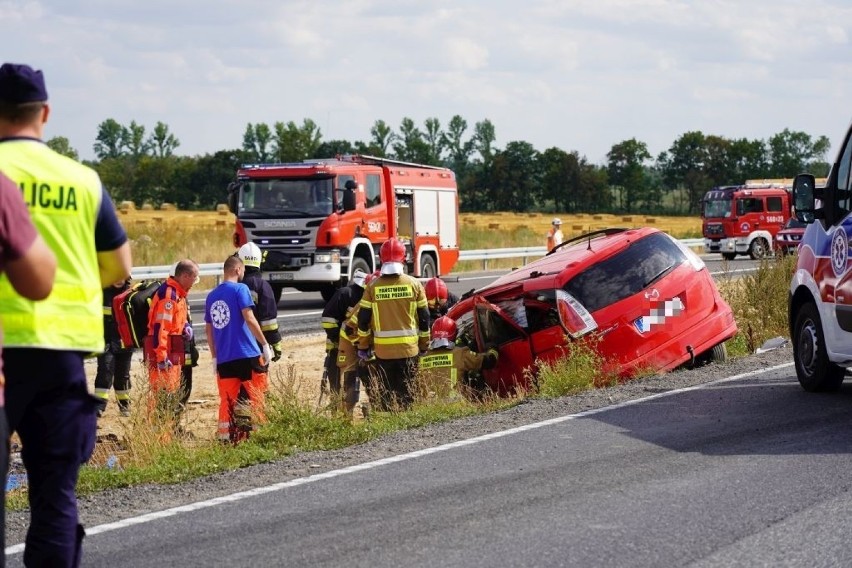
524, 253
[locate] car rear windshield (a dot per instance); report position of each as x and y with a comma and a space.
640, 265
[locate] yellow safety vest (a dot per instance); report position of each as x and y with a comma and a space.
63, 198
393, 301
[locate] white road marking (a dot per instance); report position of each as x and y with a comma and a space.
141, 519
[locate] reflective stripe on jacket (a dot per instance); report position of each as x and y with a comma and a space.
393, 309
167, 316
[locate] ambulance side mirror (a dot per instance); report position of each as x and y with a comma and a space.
804, 187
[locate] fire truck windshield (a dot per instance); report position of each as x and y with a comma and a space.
714, 208
285, 198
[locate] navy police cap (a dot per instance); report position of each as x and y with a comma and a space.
21, 84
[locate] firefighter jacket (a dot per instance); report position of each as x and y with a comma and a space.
336, 311
393, 308
166, 319
347, 356
111, 335
265, 307
441, 368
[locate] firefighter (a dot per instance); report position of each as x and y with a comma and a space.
393, 313
114, 363
336, 311
169, 329
355, 371
265, 306
438, 298
554, 235
444, 363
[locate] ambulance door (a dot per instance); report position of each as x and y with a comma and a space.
836, 272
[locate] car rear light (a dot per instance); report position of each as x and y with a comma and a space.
575, 318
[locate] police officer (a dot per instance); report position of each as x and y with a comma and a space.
47, 398
393, 313
438, 298
114, 363
337, 311
444, 363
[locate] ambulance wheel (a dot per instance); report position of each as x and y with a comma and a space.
758, 249
813, 368
729, 255
427, 267
276, 291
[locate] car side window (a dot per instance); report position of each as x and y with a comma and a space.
627, 273
494, 328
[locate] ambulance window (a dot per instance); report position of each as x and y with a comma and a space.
844, 182
374, 190
774, 204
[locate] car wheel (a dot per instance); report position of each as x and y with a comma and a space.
729, 255
758, 249
427, 267
718, 354
814, 370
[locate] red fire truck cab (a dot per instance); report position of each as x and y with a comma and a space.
744, 219
315, 229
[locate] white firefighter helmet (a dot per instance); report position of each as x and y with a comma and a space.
250, 254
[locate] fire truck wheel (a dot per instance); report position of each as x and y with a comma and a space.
427, 267
813, 368
758, 249
729, 255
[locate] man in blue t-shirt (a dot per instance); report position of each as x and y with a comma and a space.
231, 332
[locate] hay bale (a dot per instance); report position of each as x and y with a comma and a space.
220, 222
597, 217
493, 225
532, 214
522, 228
628, 218
650, 219
147, 207
168, 207
576, 227
222, 208
126, 206
157, 219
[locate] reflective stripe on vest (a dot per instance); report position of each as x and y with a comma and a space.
63, 198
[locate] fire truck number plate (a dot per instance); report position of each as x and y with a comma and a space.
281, 276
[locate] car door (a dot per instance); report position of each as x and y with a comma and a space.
495, 327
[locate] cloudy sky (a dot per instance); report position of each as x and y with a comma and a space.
577, 74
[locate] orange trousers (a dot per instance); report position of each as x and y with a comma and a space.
236, 421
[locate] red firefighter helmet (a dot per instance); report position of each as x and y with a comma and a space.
444, 332
392, 254
436, 292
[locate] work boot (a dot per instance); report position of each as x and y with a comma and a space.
124, 409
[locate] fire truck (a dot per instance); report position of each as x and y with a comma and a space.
744, 219
318, 221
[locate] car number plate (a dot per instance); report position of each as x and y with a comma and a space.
281, 276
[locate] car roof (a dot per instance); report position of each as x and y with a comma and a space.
563, 263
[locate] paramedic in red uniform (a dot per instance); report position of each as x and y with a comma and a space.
169, 328
47, 398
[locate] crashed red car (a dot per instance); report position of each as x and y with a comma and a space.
650, 300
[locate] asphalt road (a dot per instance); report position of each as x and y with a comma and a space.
750, 471
299, 312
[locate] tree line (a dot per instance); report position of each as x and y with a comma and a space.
144, 167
